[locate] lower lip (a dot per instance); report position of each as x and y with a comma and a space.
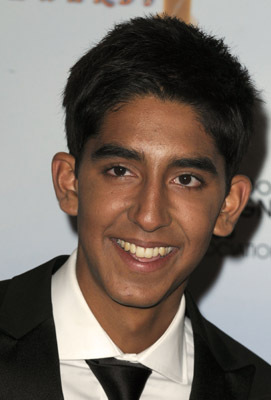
146, 265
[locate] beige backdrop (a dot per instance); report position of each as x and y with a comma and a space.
40, 40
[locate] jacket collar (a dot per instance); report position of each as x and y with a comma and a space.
28, 299
218, 372
29, 362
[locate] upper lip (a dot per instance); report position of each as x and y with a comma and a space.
145, 244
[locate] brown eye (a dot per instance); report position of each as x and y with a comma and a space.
119, 171
188, 180
185, 179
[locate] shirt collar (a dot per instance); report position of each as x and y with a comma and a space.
80, 336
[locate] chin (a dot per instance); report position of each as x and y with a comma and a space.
141, 302
137, 304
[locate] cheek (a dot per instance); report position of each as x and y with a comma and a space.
99, 207
200, 208
197, 220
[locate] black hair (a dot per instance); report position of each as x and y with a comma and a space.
164, 57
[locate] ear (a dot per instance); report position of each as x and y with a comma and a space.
233, 205
65, 182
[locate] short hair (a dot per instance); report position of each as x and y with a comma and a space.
164, 57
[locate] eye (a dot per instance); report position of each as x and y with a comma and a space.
118, 171
188, 180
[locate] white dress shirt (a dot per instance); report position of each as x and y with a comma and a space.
81, 337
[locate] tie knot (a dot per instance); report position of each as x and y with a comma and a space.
121, 380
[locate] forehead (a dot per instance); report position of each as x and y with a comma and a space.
148, 124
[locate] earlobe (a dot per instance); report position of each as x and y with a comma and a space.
233, 205
65, 182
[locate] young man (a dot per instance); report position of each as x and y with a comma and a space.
158, 116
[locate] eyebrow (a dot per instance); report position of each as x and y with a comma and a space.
202, 163
112, 150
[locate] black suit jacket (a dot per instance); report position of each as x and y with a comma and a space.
29, 363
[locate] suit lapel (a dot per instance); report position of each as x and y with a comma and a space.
28, 348
29, 364
217, 373
211, 381
29, 367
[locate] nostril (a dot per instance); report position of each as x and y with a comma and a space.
148, 216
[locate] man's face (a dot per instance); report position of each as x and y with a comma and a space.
150, 188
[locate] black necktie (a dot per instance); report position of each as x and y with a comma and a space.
121, 380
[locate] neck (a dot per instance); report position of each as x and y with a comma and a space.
132, 329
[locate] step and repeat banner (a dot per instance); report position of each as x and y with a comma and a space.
40, 41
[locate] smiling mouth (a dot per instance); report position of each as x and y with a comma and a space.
144, 252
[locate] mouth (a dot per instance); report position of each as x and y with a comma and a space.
144, 254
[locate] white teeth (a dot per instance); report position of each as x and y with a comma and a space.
142, 252
148, 253
162, 251
127, 246
168, 250
133, 248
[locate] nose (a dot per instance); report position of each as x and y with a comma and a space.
150, 209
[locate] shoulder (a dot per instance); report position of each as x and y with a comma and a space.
261, 388
25, 300
3, 287
37, 275
230, 355
43, 271
50, 267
